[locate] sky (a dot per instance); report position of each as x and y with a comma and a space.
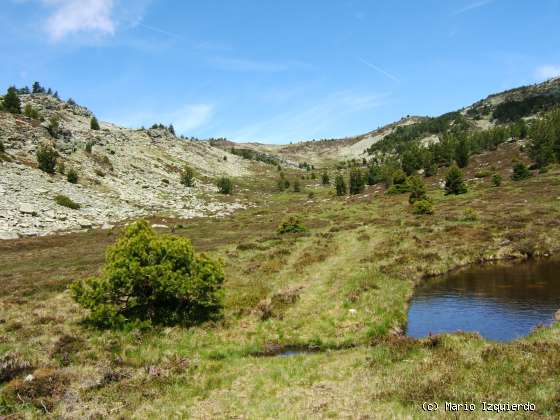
276, 71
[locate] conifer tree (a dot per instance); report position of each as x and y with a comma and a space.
417, 189
454, 183
462, 153
356, 181
94, 124
37, 88
340, 185
12, 102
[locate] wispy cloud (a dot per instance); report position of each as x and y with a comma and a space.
471, 6
186, 119
380, 70
250, 65
314, 121
191, 117
160, 31
90, 19
68, 17
547, 71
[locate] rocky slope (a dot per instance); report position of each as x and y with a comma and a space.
128, 173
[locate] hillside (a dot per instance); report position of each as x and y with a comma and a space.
123, 173
499, 108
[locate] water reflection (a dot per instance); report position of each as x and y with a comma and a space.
501, 302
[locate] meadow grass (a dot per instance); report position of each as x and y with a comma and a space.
337, 294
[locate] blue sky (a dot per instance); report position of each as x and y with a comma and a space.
276, 71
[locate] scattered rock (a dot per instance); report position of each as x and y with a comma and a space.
26, 208
5, 235
160, 226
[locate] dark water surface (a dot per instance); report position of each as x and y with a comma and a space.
501, 302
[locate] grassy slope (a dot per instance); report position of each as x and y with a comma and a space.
363, 253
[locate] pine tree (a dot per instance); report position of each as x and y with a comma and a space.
417, 189
94, 124
187, 176
325, 178
37, 88
54, 127
46, 159
12, 102
340, 185
462, 153
454, 183
356, 181
374, 175
544, 146
171, 129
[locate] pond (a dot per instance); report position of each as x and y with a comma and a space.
501, 302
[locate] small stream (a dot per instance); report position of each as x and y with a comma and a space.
501, 302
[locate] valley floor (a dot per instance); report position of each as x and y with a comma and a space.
335, 296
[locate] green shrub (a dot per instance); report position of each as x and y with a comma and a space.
417, 189
422, 207
356, 182
46, 158
61, 168
94, 124
454, 183
72, 176
89, 146
325, 178
225, 185
340, 185
283, 183
496, 180
64, 201
101, 174
483, 173
399, 177
152, 279
54, 127
187, 176
520, 172
470, 215
399, 183
291, 225
30, 112
2, 148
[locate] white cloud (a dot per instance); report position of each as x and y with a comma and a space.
547, 71
191, 117
69, 17
186, 119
